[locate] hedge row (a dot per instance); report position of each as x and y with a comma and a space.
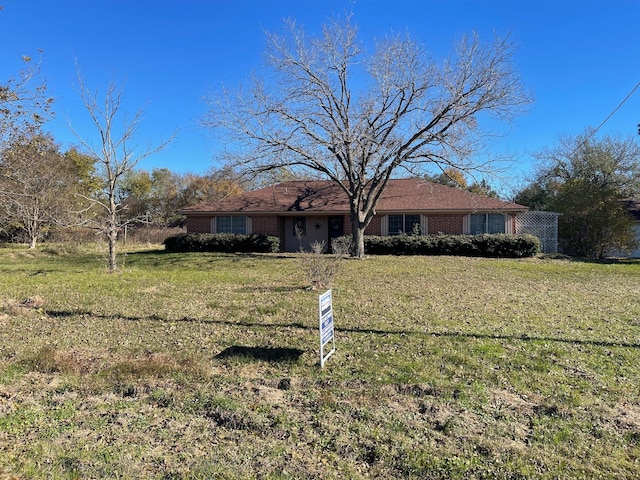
494, 245
222, 242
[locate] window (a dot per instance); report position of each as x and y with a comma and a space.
230, 224
407, 224
486, 223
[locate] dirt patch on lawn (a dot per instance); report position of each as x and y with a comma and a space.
505, 400
627, 416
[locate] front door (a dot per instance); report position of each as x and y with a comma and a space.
336, 228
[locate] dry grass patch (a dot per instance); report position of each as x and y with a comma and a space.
49, 359
15, 307
206, 366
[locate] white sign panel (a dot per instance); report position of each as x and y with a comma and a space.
326, 327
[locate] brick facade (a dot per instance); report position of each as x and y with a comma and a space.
272, 207
449, 224
347, 225
199, 224
375, 227
268, 225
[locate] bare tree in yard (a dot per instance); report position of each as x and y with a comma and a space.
116, 156
329, 108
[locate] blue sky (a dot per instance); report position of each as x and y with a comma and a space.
579, 58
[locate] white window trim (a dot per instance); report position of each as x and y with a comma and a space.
384, 224
247, 219
466, 222
424, 225
508, 224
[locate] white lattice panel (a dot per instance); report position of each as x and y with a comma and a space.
543, 225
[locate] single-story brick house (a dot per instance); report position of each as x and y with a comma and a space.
320, 210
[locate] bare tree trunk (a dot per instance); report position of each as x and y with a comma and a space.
357, 234
112, 231
112, 237
33, 230
358, 240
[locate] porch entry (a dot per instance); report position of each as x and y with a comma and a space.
305, 231
336, 228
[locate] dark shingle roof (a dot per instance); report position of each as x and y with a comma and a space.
401, 195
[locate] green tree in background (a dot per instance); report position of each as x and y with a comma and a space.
213, 186
151, 198
594, 221
452, 177
482, 188
84, 166
586, 180
39, 186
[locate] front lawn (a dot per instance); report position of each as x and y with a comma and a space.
207, 366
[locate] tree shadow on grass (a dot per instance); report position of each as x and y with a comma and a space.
608, 261
532, 338
269, 354
361, 330
597, 261
282, 289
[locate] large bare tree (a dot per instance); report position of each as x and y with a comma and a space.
326, 106
117, 155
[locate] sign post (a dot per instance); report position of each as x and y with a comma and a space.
326, 327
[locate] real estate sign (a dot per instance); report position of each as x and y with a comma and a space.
327, 340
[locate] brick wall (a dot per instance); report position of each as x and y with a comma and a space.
449, 224
272, 225
267, 225
199, 224
375, 227
347, 225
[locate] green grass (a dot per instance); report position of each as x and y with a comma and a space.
207, 366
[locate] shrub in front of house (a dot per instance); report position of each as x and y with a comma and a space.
501, 245
495, 245
222, 242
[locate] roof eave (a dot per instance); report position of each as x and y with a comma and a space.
293, 213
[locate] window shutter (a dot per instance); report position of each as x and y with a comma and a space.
249, 228
213, 225
384, 226
424, 224
466, 224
